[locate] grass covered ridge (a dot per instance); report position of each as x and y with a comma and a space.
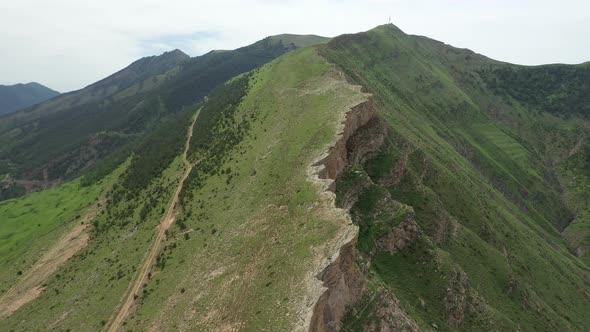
485, 195
254, 224
248, 232
489, 176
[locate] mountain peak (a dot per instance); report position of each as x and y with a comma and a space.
175, 53
36, 85
174, 57
141, 69
389, 27
21, 95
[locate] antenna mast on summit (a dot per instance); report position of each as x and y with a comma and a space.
390, 19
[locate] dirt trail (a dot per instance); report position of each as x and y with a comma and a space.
118, 317
29, 286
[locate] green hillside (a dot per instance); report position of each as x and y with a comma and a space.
203, 234
31, 226
67, 136
373, 182
471, 165
35, 221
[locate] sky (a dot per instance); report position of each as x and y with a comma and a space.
69, 44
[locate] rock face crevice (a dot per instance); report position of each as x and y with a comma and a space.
362, 135
361, 120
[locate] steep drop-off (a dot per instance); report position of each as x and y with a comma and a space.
343, 283
459, 213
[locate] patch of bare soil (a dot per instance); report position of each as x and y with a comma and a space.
29, 286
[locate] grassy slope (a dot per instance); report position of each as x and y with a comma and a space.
32, 223
251, 226
253, 232
549, 107
576, 176
83, 293
223, 259
480, 192
62, 137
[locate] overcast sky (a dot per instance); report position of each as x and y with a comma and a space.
68, 44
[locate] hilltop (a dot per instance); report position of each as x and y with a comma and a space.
19, 96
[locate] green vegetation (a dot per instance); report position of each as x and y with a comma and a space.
215, 239
97, 277
216, 115
155, 153
575, 172
487, 201
66, 136
557, 89
254, 221
29, 225
463, 211
298, 41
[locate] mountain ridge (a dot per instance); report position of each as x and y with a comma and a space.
375, 181
22, 95
111, 115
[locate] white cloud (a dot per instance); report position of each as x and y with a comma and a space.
67, 44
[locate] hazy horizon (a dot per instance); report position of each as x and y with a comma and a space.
39, 44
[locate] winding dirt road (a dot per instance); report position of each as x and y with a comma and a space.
118, 317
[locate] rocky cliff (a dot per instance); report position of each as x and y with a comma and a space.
361, 135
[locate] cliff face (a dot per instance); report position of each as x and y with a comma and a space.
360, 119
362, 135
344, 286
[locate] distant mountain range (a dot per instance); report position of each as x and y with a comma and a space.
59, 139
19, 96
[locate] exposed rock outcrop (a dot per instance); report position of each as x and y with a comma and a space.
366, 140
456, 298
343, 283
344, 286
400, 236
347, 198
360, 123
390, 317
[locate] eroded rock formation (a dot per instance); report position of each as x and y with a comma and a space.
361, 122
362, 135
